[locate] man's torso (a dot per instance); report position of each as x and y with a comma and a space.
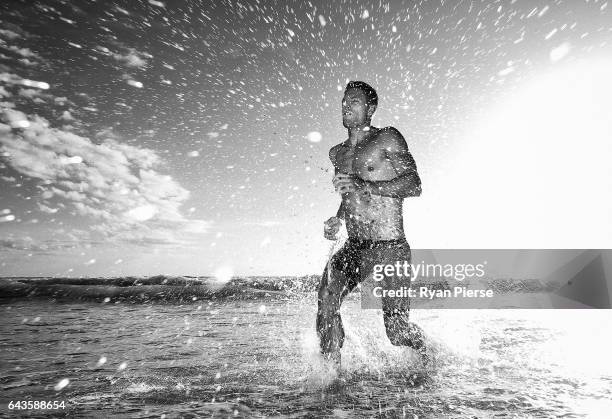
372, 217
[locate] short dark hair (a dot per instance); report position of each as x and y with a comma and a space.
370, 93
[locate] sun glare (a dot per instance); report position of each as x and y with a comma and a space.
535, 172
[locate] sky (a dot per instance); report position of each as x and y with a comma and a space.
191, 138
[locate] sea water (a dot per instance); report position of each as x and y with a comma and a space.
259, 358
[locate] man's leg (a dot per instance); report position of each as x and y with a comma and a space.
396, 310
335, 284
401, 332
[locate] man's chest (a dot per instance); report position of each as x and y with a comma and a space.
360, 159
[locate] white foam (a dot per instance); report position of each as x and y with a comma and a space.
139, 388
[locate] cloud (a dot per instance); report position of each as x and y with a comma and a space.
4, 93
132, 58
29, 93
47, 209
118, 185
6, 33
56, 241
11, 79
7, 218
29, 244
67, 116
24, 52
264, 223
12, 31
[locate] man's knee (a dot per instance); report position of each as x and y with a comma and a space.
396, 340
329, 302
325, 295
398, 336
397, 327
330, 288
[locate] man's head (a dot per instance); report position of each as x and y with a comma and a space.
358, 104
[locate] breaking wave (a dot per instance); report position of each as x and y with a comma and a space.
185, 289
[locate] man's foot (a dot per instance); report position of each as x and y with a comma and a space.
333, 358
416, 338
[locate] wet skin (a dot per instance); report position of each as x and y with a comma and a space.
374, 172
376, 158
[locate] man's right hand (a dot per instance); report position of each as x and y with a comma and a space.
331, 228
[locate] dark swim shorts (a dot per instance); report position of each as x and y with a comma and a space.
357, 258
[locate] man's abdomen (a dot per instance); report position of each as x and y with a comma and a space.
376, 218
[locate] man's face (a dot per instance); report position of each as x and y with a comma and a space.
354, 108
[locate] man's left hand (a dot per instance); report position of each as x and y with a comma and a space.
344, 183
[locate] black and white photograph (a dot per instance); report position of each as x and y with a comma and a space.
306, 209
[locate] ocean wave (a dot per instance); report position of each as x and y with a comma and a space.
158, 287
185, 288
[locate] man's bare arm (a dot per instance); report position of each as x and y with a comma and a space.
407, 183
340, 213
332, 156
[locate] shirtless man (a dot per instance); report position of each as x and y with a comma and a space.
374, 172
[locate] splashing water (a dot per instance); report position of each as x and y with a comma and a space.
227, 355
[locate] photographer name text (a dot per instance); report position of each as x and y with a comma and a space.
424, 292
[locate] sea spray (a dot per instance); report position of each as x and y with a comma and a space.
319, 372
367, 348
336, 245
